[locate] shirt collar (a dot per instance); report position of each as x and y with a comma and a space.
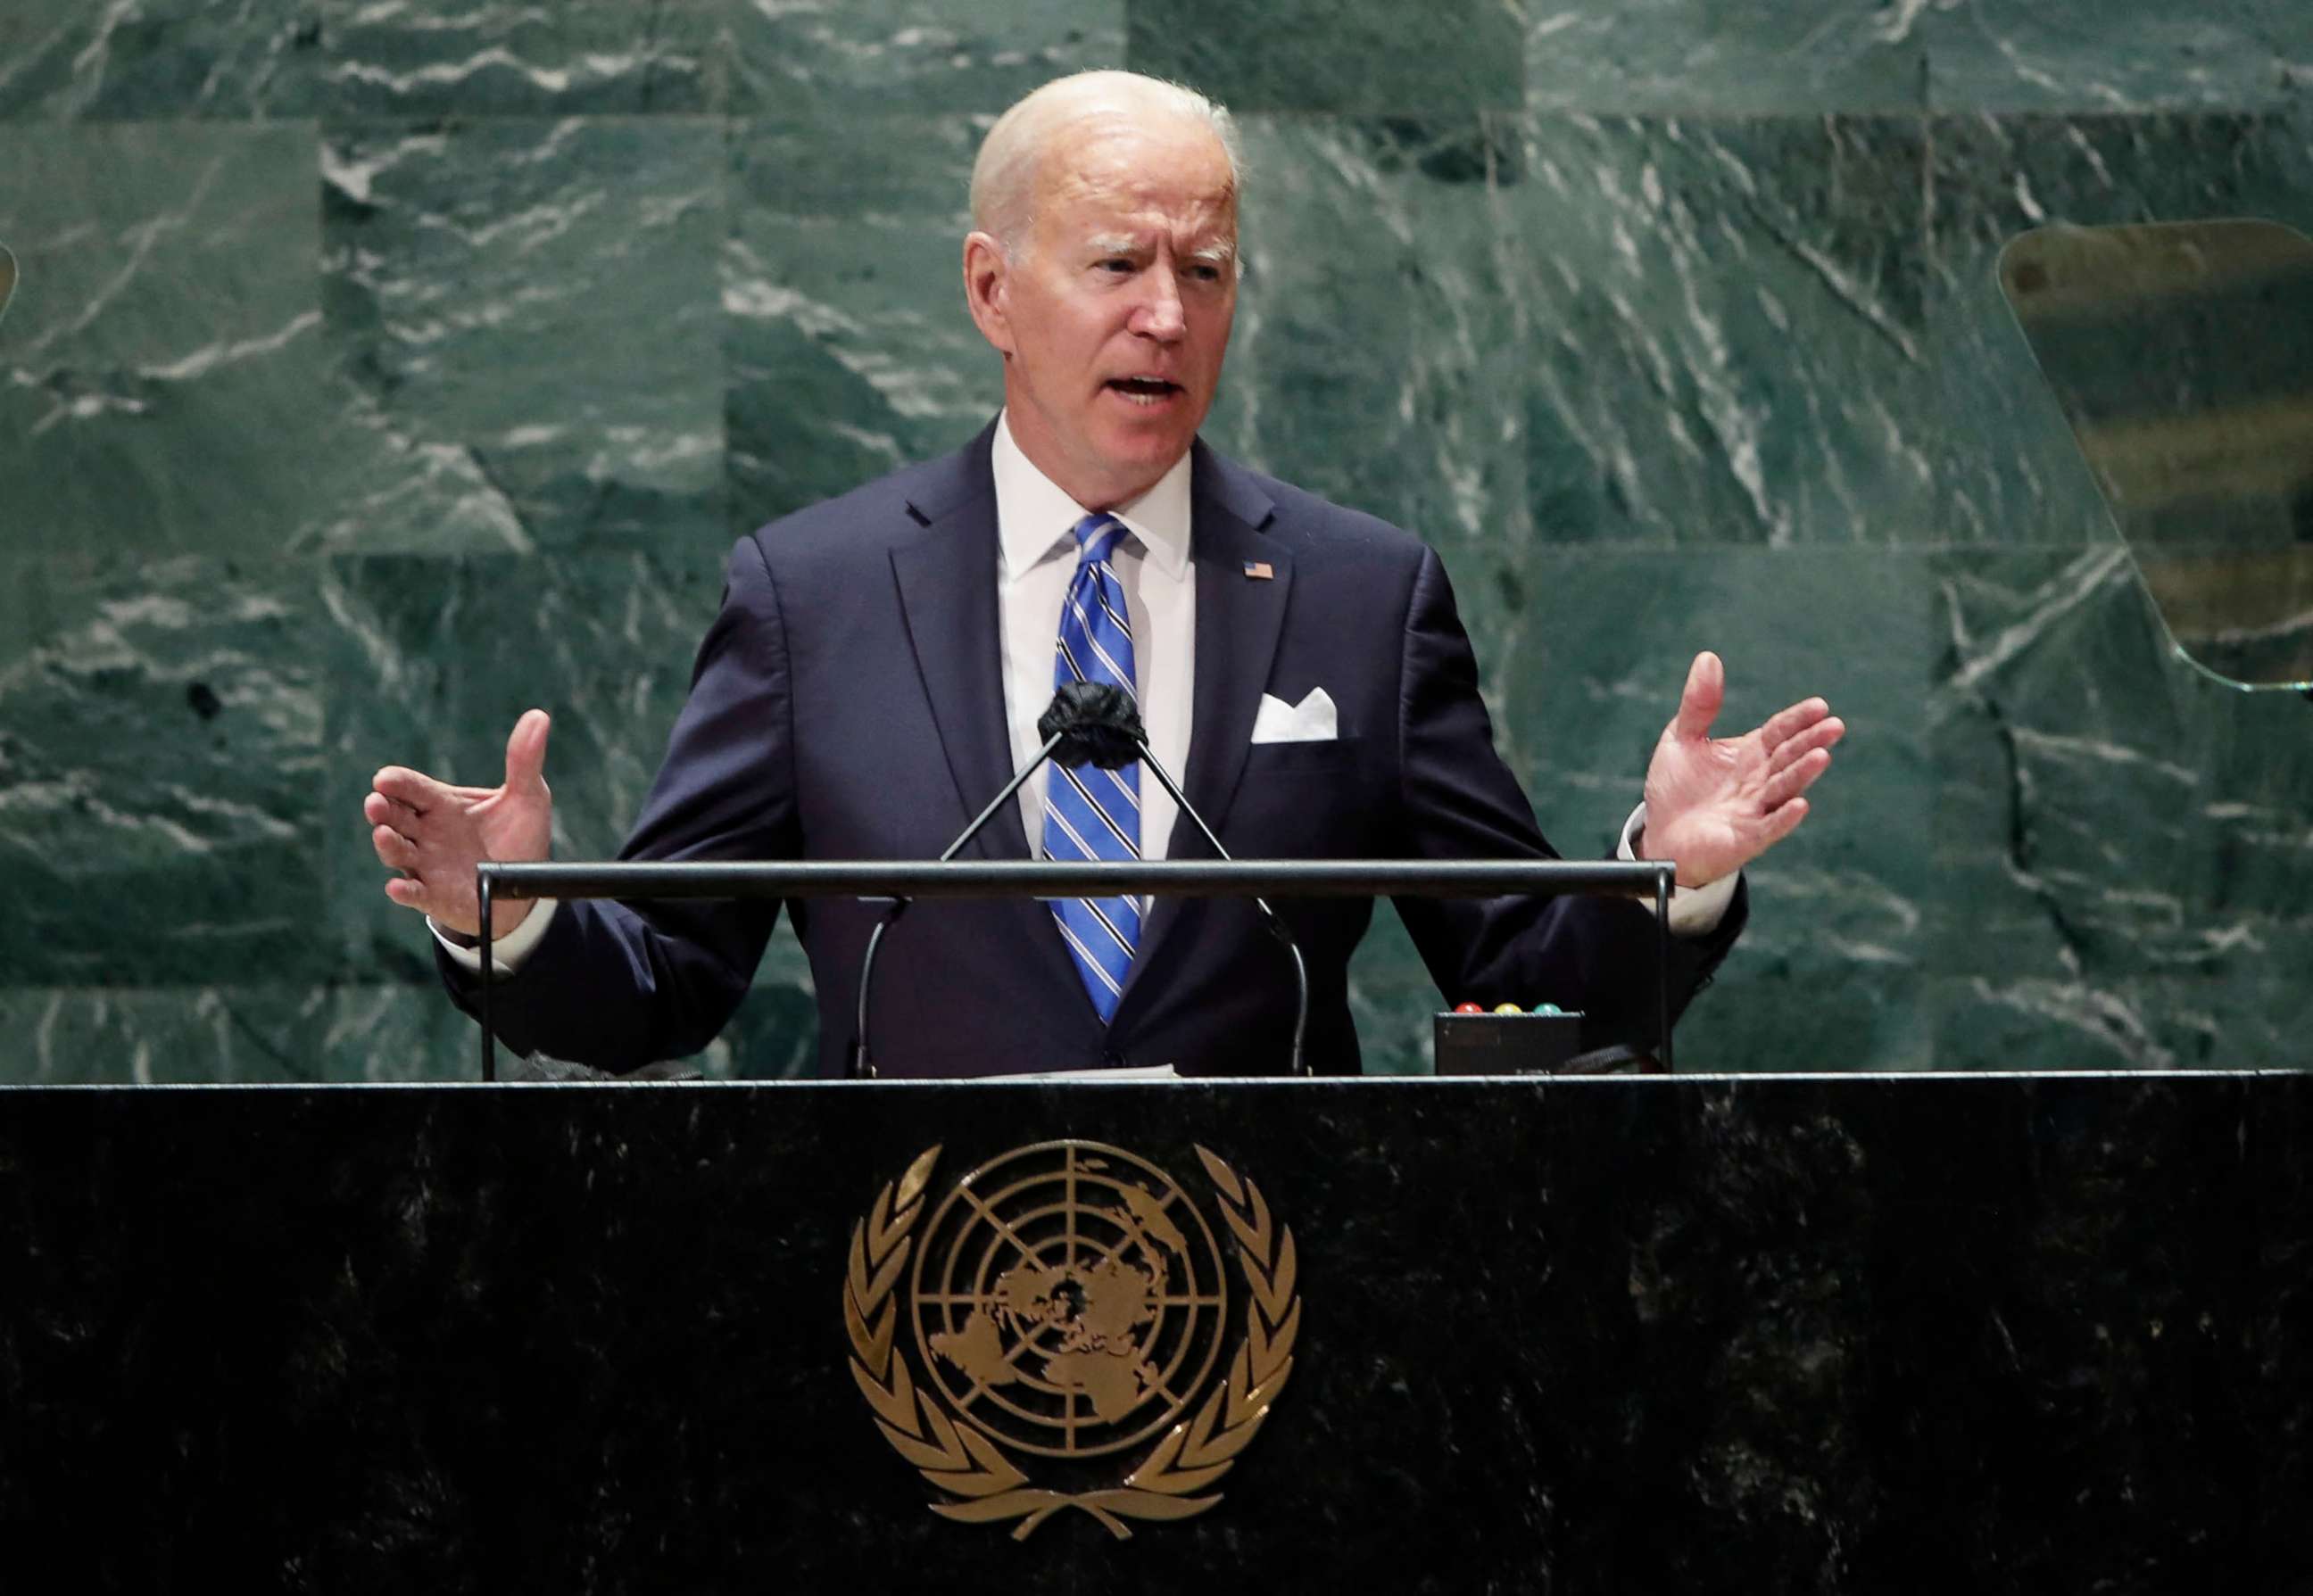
1033, 516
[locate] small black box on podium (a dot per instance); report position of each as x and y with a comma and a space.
1506, 1044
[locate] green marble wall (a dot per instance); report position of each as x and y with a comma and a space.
380, 369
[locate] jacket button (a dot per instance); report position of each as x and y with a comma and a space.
1111, 1059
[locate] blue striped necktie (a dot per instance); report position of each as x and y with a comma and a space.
1092, 813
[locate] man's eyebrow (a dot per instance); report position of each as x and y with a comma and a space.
1219, 252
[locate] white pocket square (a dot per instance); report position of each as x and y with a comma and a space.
1313, 720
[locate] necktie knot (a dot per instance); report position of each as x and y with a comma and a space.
1097, 537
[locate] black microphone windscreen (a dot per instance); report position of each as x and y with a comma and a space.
1096, 724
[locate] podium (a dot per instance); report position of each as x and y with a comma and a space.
1697, 1334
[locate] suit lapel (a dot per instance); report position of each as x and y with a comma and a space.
948, 596
1239, 618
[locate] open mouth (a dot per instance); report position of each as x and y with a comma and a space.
1144, 390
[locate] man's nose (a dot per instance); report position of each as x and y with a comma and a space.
1160, 315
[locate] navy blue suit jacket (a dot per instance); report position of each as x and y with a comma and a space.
848, 703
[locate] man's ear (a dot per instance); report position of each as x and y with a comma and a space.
986, 278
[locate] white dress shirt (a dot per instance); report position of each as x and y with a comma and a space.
1036, 559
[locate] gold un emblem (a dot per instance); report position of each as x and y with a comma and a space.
1066, 1305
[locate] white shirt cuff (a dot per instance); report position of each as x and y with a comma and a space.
1694, 911
508, 953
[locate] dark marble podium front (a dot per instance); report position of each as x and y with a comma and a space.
1966, 1334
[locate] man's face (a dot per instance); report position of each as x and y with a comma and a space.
1113, 321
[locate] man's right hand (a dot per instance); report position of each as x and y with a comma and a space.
434, 834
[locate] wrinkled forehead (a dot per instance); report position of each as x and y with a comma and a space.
1107, 166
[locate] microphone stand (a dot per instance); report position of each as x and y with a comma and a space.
1087, 725
863, 1066
1276, 927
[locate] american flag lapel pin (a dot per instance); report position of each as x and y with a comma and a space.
1259, 570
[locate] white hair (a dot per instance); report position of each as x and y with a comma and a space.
1012, 155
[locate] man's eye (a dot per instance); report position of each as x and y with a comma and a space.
1116, 263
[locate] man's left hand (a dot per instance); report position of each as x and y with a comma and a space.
1716, 803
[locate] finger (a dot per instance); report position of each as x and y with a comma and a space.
1789, 723
394, 851
1698, 703
1823, 734
525, 761
1780, 823
411, 893
379, 810
413, 788
1798, 779
442, 904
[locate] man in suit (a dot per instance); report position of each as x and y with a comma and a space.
879, 662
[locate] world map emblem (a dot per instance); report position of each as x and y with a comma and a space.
1063, 1329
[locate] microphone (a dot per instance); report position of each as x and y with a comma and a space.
1087, 723
1099, 724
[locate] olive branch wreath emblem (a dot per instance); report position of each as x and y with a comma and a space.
1174, 1481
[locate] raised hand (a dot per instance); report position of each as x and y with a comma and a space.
434, 834
1714, 804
